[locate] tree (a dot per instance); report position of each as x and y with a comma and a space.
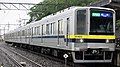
48, 7
117, 24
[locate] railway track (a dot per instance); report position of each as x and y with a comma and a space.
44, 60
12, 59
18, 58
69, 64
41, 60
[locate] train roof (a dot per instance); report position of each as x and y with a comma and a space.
72, 9
69, 9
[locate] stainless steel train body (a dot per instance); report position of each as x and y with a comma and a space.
88, 33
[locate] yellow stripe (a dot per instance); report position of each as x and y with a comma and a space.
90, 36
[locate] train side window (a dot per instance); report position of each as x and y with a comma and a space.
32, 32
38, 30
35, 30
54, 29
47, 28
17, 33
23, 32
60, 26
29, 32
26, 32
51, 28
44, 30
14, 34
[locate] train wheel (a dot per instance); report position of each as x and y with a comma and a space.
55, 53
42, 50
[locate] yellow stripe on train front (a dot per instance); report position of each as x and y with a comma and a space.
90, 36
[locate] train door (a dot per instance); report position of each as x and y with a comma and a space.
60, 31
67, 30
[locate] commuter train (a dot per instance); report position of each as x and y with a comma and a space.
85, 34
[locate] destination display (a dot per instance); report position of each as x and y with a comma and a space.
108, 15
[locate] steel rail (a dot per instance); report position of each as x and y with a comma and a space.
25, 57
12, 59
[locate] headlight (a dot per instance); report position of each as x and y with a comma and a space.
81, 40
107, 41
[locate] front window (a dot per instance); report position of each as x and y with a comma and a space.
81, 22
101, 22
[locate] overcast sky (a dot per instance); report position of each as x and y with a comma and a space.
22, 1
14, 16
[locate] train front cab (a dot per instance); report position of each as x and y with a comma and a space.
94, 38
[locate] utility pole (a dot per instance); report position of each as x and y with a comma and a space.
24, 21
4, 28
8, 26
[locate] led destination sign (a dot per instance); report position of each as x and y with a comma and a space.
101, 15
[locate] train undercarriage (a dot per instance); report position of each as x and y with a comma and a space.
86, 56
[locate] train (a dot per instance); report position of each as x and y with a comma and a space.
85, 34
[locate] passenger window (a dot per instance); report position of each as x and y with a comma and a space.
38, 30
50, 28
31, 32
35, 31
44, 30
54, 28
60, 26
47, 29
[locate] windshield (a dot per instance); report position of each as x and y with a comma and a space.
101, 22
81, 22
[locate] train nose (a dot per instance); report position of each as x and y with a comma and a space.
95, 52
103, 46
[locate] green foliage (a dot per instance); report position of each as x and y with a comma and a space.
117, 24
48, 7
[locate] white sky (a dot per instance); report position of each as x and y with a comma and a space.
22, 1
14, 16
